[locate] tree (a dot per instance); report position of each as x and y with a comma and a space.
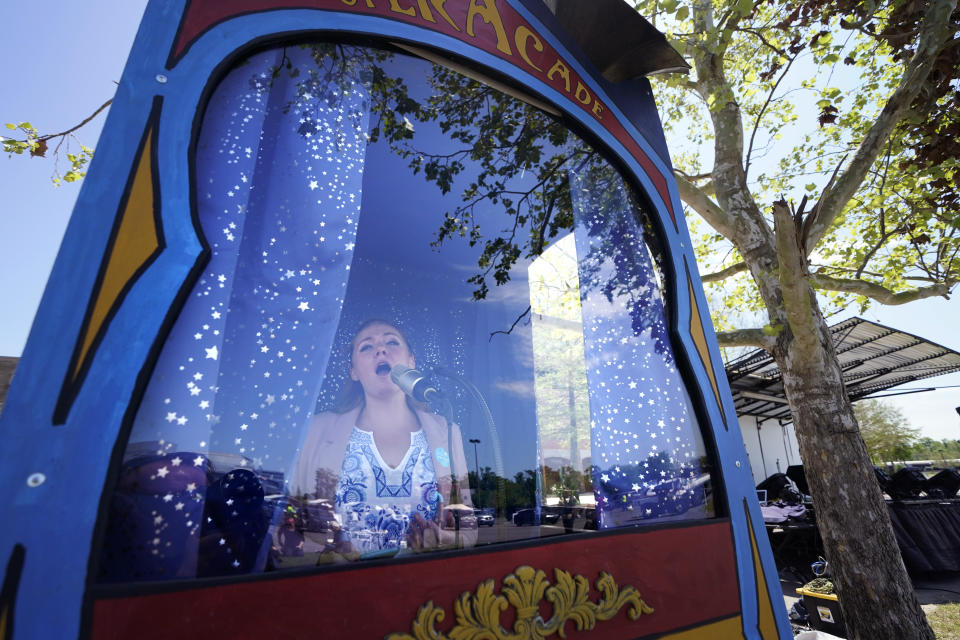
929, 449
879, 230
885, 430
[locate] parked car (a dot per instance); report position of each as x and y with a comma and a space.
319, 515
463, 513
528, 517
484, 517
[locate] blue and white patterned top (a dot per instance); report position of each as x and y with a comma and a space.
375, 502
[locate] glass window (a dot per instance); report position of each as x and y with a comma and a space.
377, 219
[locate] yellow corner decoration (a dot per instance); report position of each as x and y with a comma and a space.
766, 619
731, 628
700, 340
137, 239
478, 616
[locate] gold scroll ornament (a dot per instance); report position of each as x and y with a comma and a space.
478, 616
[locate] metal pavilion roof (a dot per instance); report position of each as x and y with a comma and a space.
873, 357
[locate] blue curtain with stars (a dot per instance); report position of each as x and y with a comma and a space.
279, 170
645, 440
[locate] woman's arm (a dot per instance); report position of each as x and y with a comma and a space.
451, 460
468, 521
321, 455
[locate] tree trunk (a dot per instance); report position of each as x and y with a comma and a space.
876, 595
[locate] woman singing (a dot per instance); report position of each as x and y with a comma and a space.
389, 456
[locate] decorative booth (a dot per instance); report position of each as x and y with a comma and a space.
287, 196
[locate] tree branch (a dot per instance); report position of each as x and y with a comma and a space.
881, 222
763, 109
797, 295
723, 274
878, 292
767, 43
693, 178
93, 115
742, 221
745, 338
705, 207
934, 33
512, 327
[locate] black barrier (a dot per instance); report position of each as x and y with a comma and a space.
907, 484
944, 485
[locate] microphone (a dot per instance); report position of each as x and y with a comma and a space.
413, 383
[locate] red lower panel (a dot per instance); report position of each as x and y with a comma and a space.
687, 574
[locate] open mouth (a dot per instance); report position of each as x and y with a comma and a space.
383, 369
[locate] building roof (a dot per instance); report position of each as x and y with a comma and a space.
873, 358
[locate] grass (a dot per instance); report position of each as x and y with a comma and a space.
944, 619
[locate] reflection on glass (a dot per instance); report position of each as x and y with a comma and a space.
337, 184
646, 442
563, 404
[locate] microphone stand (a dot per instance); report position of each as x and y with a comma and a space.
491, 430
446, 408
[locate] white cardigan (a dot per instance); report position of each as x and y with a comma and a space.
326, 444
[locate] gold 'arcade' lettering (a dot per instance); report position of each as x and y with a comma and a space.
582, 94
521, 37
425, 12
525, 40
409, 11
492, 17
438, 5
560, 69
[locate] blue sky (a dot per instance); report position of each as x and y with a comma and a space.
62, 60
